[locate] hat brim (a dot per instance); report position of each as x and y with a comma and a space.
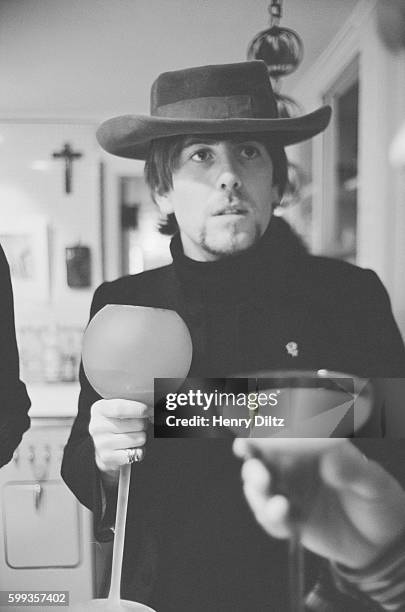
130, 135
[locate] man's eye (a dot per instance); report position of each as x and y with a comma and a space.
202, 155
249, 152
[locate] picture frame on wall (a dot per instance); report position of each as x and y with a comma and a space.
78, 266
25, 241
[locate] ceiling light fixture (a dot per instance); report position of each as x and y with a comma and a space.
280, 48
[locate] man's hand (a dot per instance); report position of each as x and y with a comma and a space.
116, 425
355, 511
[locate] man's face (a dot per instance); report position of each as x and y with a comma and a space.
221, 196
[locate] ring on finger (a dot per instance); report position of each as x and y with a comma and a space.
134, 455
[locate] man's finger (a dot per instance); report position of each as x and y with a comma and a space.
115, 459
108, 443
121, 409
240, 448
255, 474
119, 426
272, 512
347, 468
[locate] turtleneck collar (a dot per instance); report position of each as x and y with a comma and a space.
232, 277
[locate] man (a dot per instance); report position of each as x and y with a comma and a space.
15, 403
246, 287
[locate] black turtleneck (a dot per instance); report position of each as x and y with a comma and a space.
237, 277
224, 301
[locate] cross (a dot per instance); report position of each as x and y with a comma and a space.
68, 155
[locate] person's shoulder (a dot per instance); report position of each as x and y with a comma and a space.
337, 278
337, 268
132, 288
137, 280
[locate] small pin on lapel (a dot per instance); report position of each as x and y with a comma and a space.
292, 349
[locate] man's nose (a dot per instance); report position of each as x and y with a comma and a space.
228, 177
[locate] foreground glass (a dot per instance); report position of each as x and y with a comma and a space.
321, 409
124, 348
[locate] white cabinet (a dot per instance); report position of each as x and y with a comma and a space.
45, 533
41, 525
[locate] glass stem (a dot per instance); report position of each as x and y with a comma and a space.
296, 570
119, 534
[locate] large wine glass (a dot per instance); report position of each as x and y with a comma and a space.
124, 349
320, 409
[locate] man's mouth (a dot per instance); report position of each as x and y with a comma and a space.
231, 210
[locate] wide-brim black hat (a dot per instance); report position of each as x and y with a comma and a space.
217, 99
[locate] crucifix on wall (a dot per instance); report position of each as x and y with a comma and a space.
69, 155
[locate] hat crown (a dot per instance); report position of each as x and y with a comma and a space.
224, 91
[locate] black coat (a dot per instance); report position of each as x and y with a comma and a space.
14, 401
192, 543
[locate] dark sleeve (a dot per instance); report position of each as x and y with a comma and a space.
385, 339
389, 383
387, 352
387, 346
79, 469
326, 597
14, 401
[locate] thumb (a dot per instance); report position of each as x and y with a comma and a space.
346, 468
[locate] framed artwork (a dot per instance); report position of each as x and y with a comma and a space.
78, 266
25, 243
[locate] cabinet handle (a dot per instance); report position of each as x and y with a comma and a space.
37, 495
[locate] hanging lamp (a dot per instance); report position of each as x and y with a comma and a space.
280, 48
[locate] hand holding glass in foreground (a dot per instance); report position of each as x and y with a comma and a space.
355, 512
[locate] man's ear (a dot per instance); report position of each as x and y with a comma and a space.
164, 202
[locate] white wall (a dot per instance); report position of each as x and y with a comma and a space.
32, 187
97, 58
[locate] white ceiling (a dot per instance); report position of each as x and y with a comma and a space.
97, 58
